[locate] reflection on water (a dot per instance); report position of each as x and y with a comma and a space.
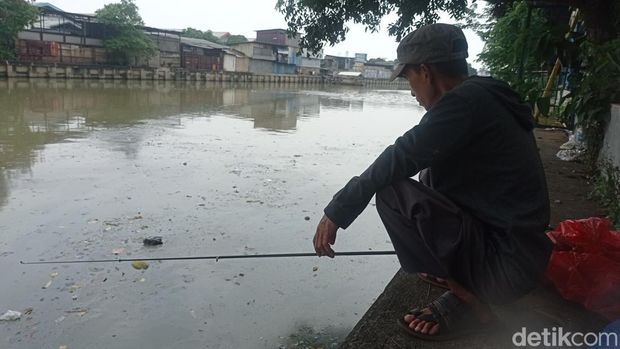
42, 112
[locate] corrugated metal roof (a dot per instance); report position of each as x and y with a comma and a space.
211, 45
46, 4
234, 52
202, 43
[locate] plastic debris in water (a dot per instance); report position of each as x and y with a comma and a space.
139, 265
79, 311
11, 315
49, 283
153, 241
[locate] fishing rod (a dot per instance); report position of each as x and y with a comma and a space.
216, 258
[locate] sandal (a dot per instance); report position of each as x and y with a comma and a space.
433, 280
453, 316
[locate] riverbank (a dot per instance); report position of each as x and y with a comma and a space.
56, 71
568, 189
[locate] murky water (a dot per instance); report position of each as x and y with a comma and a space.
89, 169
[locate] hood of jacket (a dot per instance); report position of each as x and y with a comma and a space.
508, 97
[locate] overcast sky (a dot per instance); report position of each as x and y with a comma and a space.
245, 16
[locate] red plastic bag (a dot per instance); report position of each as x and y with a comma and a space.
585, 264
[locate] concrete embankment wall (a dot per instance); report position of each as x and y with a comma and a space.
35, 71
611, 142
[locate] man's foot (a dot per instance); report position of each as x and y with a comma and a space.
448, 317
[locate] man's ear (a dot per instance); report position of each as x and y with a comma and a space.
426, 72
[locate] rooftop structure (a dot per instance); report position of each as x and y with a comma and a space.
277, 37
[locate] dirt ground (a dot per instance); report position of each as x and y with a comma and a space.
569, 188
568, 182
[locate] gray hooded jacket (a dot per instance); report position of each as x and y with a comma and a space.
478, 146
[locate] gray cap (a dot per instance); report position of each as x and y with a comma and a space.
433, 43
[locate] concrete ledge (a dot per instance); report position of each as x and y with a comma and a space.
541, 309
58, 71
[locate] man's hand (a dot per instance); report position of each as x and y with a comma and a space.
324, 237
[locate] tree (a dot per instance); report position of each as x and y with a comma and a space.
325, 20
127, 41
15, 15
517, 53
199, 34
377, 60
235, 39
600, 16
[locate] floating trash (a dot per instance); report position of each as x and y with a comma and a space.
49, 283
79, 311
140, 265
11, 315
153, 241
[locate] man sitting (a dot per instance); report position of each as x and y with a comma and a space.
476, 219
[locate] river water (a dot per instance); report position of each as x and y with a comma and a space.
89, 169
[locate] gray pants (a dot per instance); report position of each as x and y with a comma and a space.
433, 235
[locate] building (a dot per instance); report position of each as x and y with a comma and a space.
261, 56
72, 38
273, 52
277, 37
284, 47
309, 63
377, 71
62, 37
235, 61
334, 64
309, 66
361, 57
169, 48
199, 54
